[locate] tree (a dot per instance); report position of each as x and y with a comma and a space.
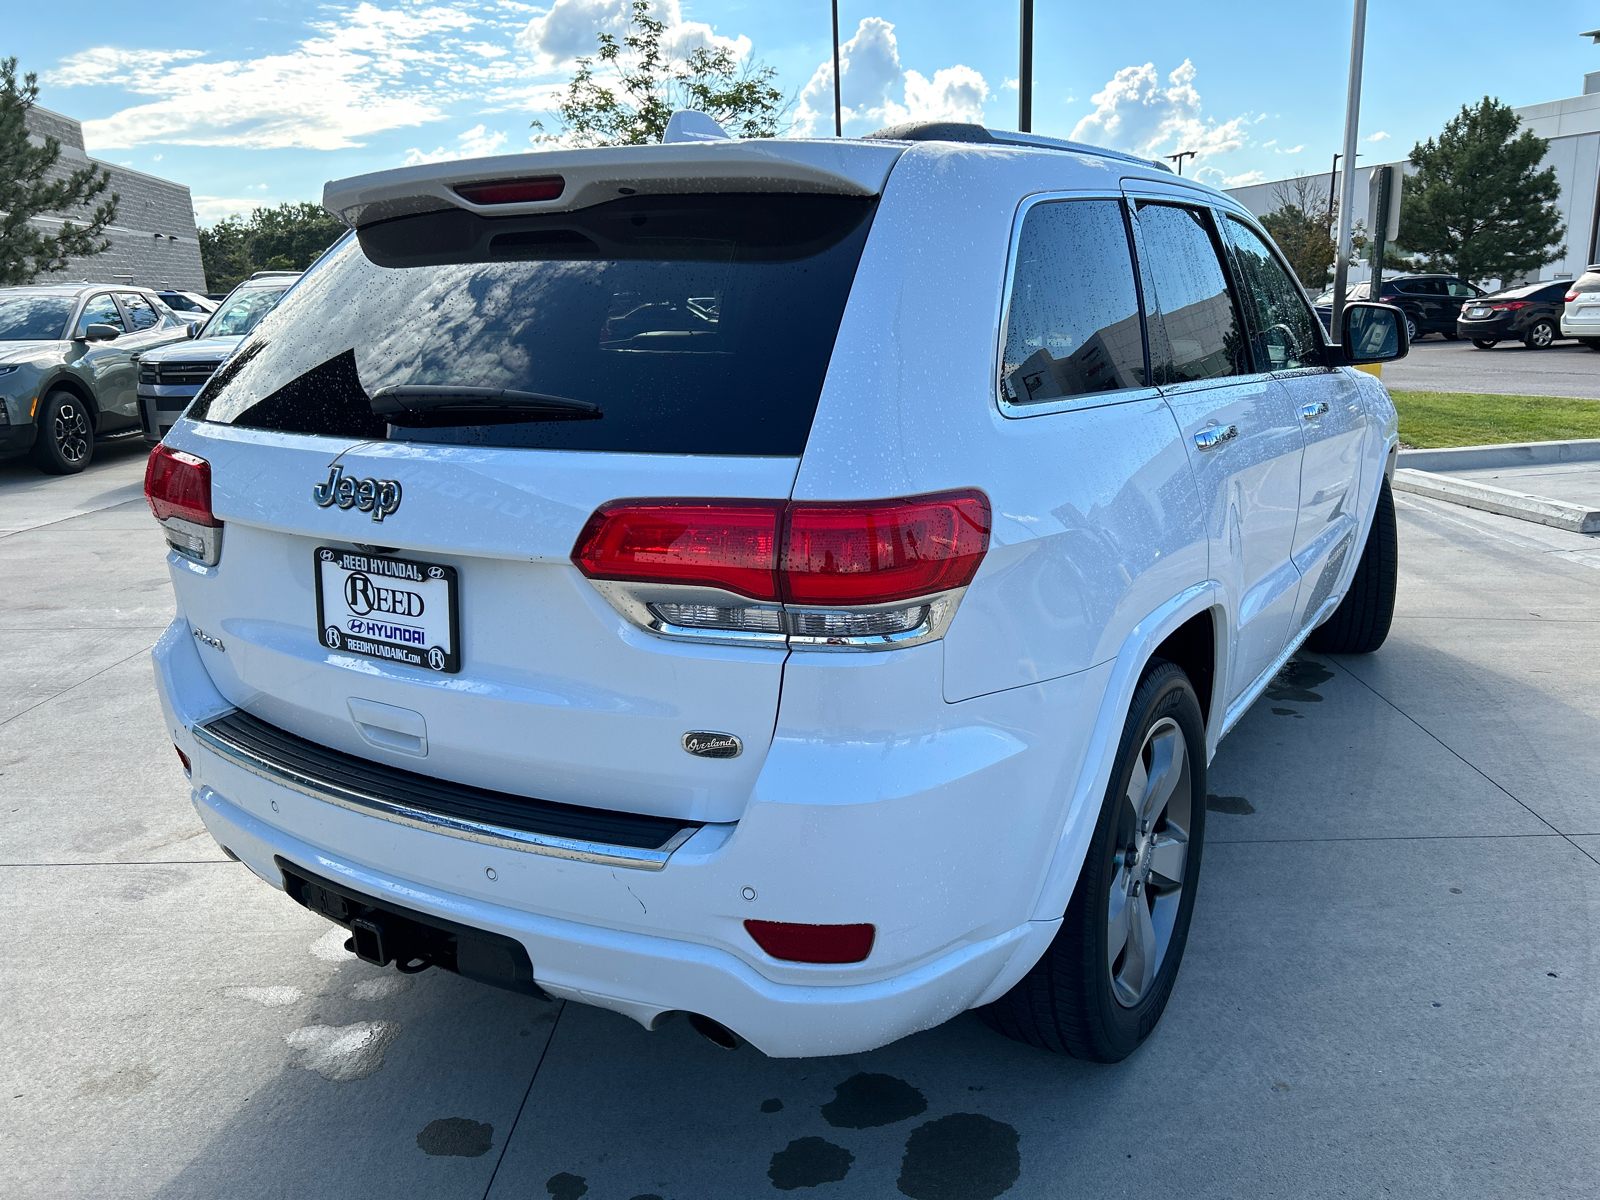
289, 237
1302, 225
650, 85
1478, 205
31, 185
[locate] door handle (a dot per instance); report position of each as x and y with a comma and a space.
1216, 435
1312, 411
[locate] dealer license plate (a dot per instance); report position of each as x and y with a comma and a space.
392, 608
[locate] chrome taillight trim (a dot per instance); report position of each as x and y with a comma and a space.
200, 543
637, 603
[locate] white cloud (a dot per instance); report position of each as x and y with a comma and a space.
870, 74
210, 209
1134, 111
476, 142
1295, 149
1378, 137
370, 70
567, 31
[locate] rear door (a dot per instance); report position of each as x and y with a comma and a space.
1327, 401
405, 456
1243, 438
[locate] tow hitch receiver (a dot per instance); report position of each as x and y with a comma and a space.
382, 933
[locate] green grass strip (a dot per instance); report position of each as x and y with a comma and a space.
1434, 419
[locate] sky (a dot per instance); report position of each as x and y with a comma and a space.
262, 103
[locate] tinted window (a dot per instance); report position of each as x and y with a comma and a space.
26, 317
1072, 324
1552, 291
1589, 281
697, 325
140, 314
1281, 326
1197, 312
101, 310
1461, 291
1427, 287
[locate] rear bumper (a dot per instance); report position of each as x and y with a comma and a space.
1580, 328
941, 840
1502, 328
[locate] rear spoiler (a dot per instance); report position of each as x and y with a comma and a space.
844, 168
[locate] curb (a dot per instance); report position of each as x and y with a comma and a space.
1574, 518
1511, 454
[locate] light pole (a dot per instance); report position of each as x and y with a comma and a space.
1180, 156
1347, 189
838, 108
1025, 71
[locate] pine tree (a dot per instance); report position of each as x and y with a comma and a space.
1478, 206
650, 85
30, 186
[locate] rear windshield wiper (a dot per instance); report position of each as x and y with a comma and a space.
442, 405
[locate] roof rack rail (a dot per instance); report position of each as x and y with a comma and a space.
270, 274
962, 131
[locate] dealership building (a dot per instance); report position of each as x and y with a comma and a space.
154, 242
1573, 129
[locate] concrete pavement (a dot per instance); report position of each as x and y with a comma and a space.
1390, 986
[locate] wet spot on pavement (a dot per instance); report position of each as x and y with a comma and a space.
1295, 683
807, 1162
773, 1105
960, 1157
382, 987
867, 1101
456, 1137
1287, 712
1236, 806
343, 1053
566, 1187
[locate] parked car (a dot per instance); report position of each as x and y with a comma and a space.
189, 306
1580, 315
1431, 303
1530, 314
801, 654
170, 377
67, 367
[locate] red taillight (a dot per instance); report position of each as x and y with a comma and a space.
179, 485
1571, 296
883, 551
813, 943
731, 545
512, 191
805, 553
182, 757
1510, 306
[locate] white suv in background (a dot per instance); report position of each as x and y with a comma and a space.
799, 584
1580, 318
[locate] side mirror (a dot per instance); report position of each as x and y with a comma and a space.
194, 329
101, 333
1373, 333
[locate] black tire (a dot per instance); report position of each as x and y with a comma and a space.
1069, 1001
1485, 343
1592, 343
1361, 622
1539, 336
64, 443
1450, 336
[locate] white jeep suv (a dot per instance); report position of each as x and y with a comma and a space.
799, 584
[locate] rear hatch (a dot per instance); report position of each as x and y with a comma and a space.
403, 460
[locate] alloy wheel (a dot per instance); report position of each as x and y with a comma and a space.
70, 428
1152, 850
1411, 330
1542, 335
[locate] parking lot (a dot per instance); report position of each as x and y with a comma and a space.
1434, 365
1390, 985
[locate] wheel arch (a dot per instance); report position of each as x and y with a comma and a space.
67, 382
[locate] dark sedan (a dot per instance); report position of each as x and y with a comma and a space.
1530, 314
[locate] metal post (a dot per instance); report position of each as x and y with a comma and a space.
1333, 182
838, 107
1347, 189
1025, 71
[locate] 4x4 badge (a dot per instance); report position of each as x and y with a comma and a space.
380, 497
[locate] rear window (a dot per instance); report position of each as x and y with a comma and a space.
691, 324
1589, 281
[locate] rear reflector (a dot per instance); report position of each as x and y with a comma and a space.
179, 485
512, 191
182, 757
813, 943
804, 553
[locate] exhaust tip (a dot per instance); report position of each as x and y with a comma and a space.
713, 1031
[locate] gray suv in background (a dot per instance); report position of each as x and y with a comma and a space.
170, 377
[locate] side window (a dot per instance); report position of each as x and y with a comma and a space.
140, 314
1428, 287
1072, 324
101, 310
1197, 311
1281, 327
1461, 290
